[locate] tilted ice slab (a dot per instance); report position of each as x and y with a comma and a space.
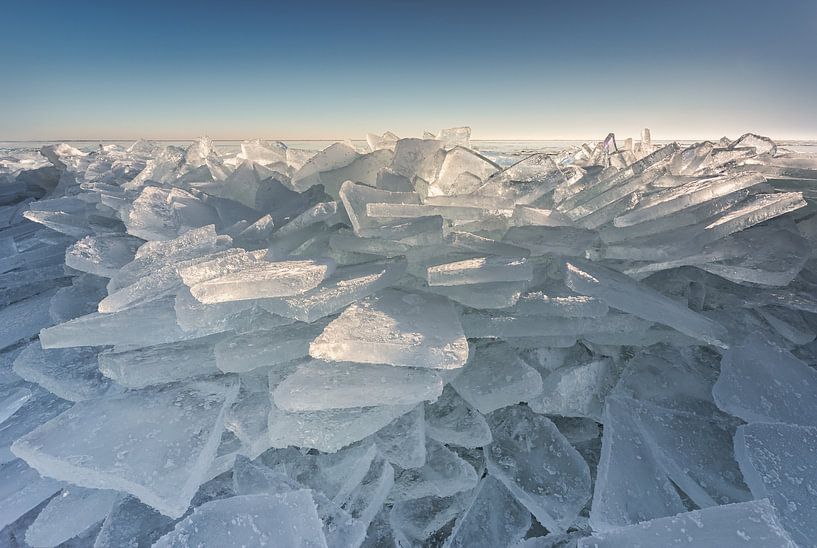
751, 524
278, 279
317, 385
778, 462
538, 465
174, 430
760, 382
627, 295
397, 328
285, 519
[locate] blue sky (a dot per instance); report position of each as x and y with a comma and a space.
312, 70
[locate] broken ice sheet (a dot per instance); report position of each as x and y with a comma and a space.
21, 489
284, 519
443, 475
630, 486
403, 442
576, 390
148, 324
160, 364
493, 518
278, 279
329, 430
70, 373
266, 347
778, 462
480, 270
414, 521
318, 385
760, 382
538, 465
452, 420
627, 295
67, 515
397, 328
748, 524
496, 377
173, 429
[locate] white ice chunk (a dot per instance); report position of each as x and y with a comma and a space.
398, 328
278, 279
161, 457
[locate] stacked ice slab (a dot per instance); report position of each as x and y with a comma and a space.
409, 344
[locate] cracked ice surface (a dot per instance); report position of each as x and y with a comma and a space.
411, 342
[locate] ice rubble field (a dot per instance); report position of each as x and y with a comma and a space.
409, 345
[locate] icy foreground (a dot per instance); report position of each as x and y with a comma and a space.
408, 345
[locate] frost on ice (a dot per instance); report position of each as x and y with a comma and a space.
408, 342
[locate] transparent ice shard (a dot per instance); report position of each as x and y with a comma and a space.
630, 486
500, 325
750, 524
576, 390
627, 295
146, 325
415, 521
480, 270
526, 181
21, 489
160, 364
777, 461
12, 397
164, 214
494, 518
452, 420
332, 429
760, 382
278, 279
346, 286
496, 377
403, 442
69, 514
420, 158
266, 347
538, 465
285, 519
24, 319
460, 160
132, 523
357, 197
319, 385
397, 328
691, 194
566, 241
443, 475
175, 430
70, 373
102, 255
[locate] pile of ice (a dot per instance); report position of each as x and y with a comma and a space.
409, 345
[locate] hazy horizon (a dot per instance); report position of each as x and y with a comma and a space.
326, 71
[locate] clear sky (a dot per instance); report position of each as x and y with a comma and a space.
311, 69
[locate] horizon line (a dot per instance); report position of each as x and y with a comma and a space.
166, 140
